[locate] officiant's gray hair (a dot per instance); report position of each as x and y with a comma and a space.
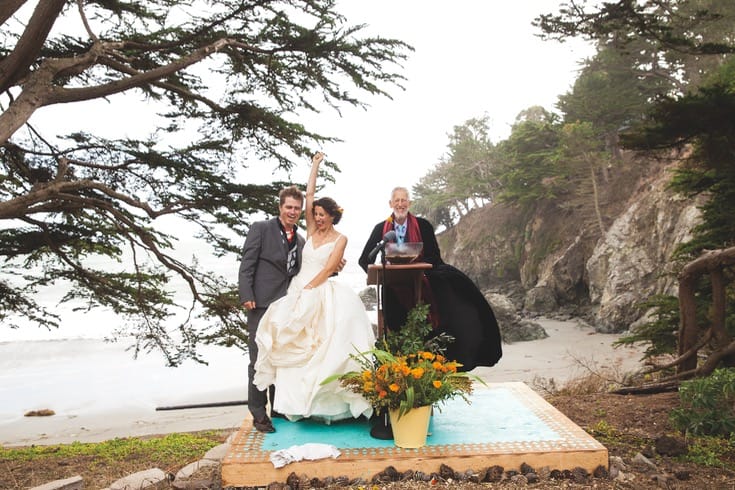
397, 189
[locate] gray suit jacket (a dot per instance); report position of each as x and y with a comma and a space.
263, 277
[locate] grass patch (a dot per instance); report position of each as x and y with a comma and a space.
176, 446
102, 463
712, 451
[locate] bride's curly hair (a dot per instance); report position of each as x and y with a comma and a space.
330, 206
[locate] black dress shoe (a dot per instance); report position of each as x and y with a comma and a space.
264, 425
277, 415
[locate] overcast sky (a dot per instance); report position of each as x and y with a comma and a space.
472, 57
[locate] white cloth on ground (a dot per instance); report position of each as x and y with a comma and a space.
310, 451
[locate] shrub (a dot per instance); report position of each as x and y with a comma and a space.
707, 405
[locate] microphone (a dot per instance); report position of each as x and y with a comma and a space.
388, 237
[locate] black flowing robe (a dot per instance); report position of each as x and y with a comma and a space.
463, 311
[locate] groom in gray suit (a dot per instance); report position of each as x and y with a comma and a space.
271, 256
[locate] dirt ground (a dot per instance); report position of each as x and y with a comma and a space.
626, 425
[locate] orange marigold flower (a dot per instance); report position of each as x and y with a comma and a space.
437, 365
368, 386
366, 375
382, 394
405, 370
437, 384
427, 355
394, 387
440, 358
417, 372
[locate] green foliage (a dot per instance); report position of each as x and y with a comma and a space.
415, 335
404, 382
221, 86
528, 171
462, 180
711, 451
661, 333
608, 94
673, 44
707, 405
602, 429
702, 123
172, 446
703, 120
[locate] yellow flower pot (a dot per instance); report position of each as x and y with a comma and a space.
409, 431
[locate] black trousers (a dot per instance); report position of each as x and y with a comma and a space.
257, 399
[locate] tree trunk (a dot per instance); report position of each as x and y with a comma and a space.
596, 197
711, 262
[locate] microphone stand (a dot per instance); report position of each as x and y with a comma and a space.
382, 428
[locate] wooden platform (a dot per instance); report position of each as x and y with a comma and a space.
507, 424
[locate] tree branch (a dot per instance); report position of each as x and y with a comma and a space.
60, 95
16, 65
8, 8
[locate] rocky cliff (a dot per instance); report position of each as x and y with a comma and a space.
554, 258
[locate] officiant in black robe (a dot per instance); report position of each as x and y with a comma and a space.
458, 308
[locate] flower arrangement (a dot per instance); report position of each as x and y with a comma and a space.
408, 372
405, 382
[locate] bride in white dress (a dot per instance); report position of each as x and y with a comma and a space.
309, 334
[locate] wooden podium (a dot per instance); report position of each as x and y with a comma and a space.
396, 274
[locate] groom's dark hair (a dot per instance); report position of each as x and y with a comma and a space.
292, 191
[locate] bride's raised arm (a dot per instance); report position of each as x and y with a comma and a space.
310, 190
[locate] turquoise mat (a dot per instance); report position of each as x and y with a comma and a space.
495, 416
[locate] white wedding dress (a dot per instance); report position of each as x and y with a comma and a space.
307, 336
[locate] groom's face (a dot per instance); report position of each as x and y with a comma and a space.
289, 211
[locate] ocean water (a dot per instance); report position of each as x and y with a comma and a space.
88, 376
73, 370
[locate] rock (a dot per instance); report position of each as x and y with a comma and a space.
661, 480
197, 484
513, 328
217, 453
46, 412
188, 470
526, 468
369, 297
579, 475
601, 472
152, 478
446, 472
627, 265
519, 480
73, 483
493, 474
643, 462
683, 475
526, 330
671, 446
540, 299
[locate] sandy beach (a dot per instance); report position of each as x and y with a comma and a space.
561, 357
